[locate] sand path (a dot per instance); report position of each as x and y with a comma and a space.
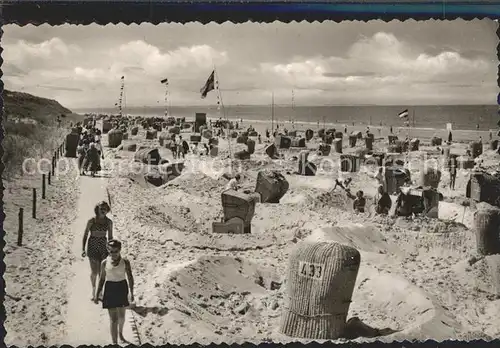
87, 323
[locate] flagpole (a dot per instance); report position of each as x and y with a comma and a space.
272, 114
219, 96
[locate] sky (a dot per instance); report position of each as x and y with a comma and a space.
349, 63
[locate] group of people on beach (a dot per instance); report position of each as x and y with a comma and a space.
90, 151
116, 282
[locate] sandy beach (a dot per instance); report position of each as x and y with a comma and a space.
199, 286
194, 285
234, 242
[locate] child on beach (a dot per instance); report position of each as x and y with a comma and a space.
100, 228
359, 203
233, 183
115, 271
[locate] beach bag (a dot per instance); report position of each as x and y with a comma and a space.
271, 185
319, 286
487, 226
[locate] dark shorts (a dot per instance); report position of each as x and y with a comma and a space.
115, 294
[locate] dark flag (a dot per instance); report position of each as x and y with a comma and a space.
209, 85
164, 81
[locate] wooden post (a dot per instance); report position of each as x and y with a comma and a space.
34, 204
43, 186
48, 178
20, 229
53, 165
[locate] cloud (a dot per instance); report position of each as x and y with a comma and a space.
382, 62
377, 67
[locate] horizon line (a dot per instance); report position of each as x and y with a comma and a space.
279, 105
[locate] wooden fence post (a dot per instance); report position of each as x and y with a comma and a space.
48, 178
43, 186
34, 204
20, 229
53, 165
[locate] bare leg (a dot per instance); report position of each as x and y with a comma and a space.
95, 267
113, 327
121, 323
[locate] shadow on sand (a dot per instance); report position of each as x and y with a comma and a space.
143, 311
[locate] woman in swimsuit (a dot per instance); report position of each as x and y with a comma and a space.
115, 271
100, 228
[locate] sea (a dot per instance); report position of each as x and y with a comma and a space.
463, 117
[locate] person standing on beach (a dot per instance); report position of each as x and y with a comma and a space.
390, 130
453, 172
115, 271
100, 228
450, 137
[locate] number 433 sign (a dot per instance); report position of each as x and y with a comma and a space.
311, 270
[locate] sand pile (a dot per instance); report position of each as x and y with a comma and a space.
364, 237
198, 184
168, 216
226, 294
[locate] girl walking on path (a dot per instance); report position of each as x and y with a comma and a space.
115, 271
100, 228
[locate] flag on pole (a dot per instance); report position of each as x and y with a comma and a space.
209, 85
164, 81
404, 114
